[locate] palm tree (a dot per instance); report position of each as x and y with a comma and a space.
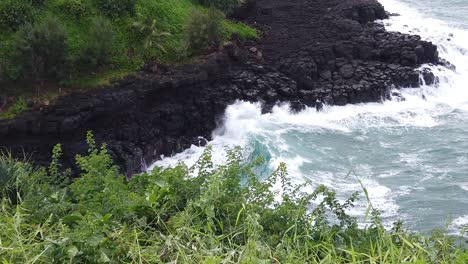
147, 26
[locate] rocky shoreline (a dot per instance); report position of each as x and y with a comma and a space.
329, 50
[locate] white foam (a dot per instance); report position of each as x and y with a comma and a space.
244, 124
452, 46
459, 226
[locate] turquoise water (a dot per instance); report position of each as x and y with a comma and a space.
452, 11
412, 156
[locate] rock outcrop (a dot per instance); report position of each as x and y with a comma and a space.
329, 50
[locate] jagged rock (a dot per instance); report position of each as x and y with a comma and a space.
428, 76
347, 71
323, 49
326, 75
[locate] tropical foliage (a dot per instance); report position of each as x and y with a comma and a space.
199, 214
93, 38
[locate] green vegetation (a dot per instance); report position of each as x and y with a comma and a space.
48, 44
202, 214
147, 26
204, 30
224, 5
41, 51
14, 14
239, 28
100, 45
16, 109
116, 8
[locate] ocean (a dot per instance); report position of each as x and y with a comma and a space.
411, 156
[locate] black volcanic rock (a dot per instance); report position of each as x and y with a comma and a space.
330, 50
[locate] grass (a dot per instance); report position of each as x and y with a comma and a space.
99, 80
201, 214
129, 53
241, 29
15, 110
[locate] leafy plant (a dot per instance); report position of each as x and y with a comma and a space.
204, 30
100, 46
200, 214
14, 14
11, 177
41, 50
19, 107
116, 8
38, 2
147, 26
77, 9
88, 63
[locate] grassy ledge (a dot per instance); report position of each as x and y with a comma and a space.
202, 214
52, 45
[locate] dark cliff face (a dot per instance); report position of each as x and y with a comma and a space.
315, 49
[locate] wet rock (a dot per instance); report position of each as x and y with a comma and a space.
70, 123
428, 76
297, 106
3, 101
398, 97
419, 50
306, 83
259, 55
326, 75
347, 71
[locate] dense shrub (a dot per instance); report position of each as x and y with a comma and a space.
41, 50
77, 9
38, 2
116, 8
19, 107
203, 214
3, 71
204, 30
134, 46
14, 14
224, 5
100, 45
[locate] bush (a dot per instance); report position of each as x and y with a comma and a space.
13, 176
100, 45
38, 2
203, 214
204, 30
14, 14
9, 69
116, 8
75, 8
224, 5
4, 63
41, 50
240, 29
19, 107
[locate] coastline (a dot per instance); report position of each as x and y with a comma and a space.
321, 50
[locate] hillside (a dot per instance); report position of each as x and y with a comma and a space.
50, 47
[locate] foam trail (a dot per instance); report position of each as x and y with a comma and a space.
459, 226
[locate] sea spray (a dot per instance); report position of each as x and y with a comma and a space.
411, 155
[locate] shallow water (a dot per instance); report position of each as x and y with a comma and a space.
412, 156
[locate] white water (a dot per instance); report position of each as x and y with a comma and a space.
412, 156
